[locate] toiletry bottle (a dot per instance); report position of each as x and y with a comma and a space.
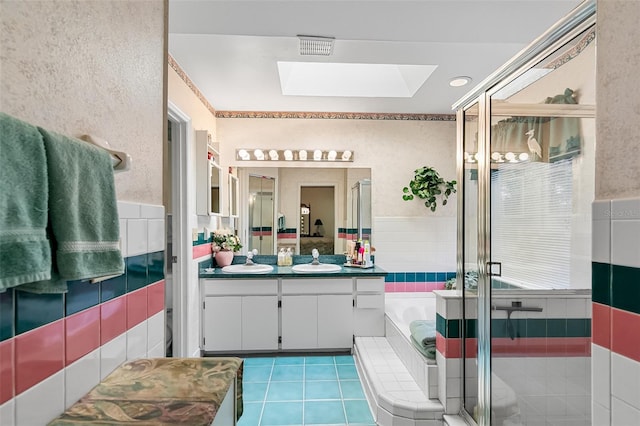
367, 253
356, 256
281, 257
288, 258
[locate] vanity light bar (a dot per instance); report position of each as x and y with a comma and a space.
265, 154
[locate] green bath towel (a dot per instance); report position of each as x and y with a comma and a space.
25, 255
423, 331
429, 351
83, 213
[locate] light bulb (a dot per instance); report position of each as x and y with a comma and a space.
317, 155
524, 156
288, 155
243, 154
346, 155
496, 156
273, 154
510, 156
302, 154
332, 155
258, 154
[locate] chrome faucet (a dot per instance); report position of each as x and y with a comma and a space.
250, 257
315, 253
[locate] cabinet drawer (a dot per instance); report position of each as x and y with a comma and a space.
317, 286
370, 301
370, 284
240, 287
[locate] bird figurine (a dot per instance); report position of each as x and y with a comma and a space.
534, 146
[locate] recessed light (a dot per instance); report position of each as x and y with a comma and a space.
459, 81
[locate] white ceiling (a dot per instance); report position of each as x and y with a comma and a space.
230, 49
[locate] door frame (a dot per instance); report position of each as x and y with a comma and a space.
180, 224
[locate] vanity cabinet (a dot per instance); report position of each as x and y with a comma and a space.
208, 176
317, 313
240, 315
368, 313
290, 313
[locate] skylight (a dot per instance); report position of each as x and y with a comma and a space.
352, 80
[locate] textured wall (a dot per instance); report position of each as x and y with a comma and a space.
95, 67
392, 149
618, 100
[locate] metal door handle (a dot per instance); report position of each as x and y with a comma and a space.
494, 269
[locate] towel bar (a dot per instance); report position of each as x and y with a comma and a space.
121, 160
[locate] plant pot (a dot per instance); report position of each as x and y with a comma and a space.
224, 258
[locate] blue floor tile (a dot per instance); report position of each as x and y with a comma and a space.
344, 359
351, 389
358, 412
284, 391
320, 372
324, 389
287, 373
256, 374
290, 360
347, 372
281, 413
250, 414
254, 391
258, 362
319, 360
323, 413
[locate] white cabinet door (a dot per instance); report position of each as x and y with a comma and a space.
299, 322
260, 323
222, 321
335, 321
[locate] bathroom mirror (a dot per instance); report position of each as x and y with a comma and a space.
336, 227
233, 196
215, 179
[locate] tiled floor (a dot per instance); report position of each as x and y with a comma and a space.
312, 390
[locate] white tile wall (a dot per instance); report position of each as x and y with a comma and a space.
81, 377
137, 341
601, 232
155, 330
155, 235
137, 237
47, 396
157, 351
616, 379
112, 354
415, 243
622, 414
151, 211
625, 379
129, 210
123, 237
8, 413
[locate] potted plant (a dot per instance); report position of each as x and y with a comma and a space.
224, 244
428, 185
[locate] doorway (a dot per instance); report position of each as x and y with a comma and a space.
317, 226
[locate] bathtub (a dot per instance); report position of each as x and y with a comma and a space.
400, 310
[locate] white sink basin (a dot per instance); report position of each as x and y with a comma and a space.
308, 268
248, 269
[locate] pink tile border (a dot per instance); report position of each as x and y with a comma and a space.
155, 298
113, 319
624, 333
201, 250
136, 307
82, 334
7, 390
601, 324
39, 354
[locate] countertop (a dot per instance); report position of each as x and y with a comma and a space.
286, 272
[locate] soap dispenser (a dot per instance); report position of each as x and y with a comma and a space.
281, 258
288, 258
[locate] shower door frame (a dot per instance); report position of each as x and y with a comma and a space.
577, 21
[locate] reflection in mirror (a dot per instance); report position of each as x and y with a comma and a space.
337, 226
319, 202
233, 196
216, 179
261, 214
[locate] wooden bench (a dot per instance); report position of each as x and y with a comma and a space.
158, 391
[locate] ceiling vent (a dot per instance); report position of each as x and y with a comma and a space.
315, 45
